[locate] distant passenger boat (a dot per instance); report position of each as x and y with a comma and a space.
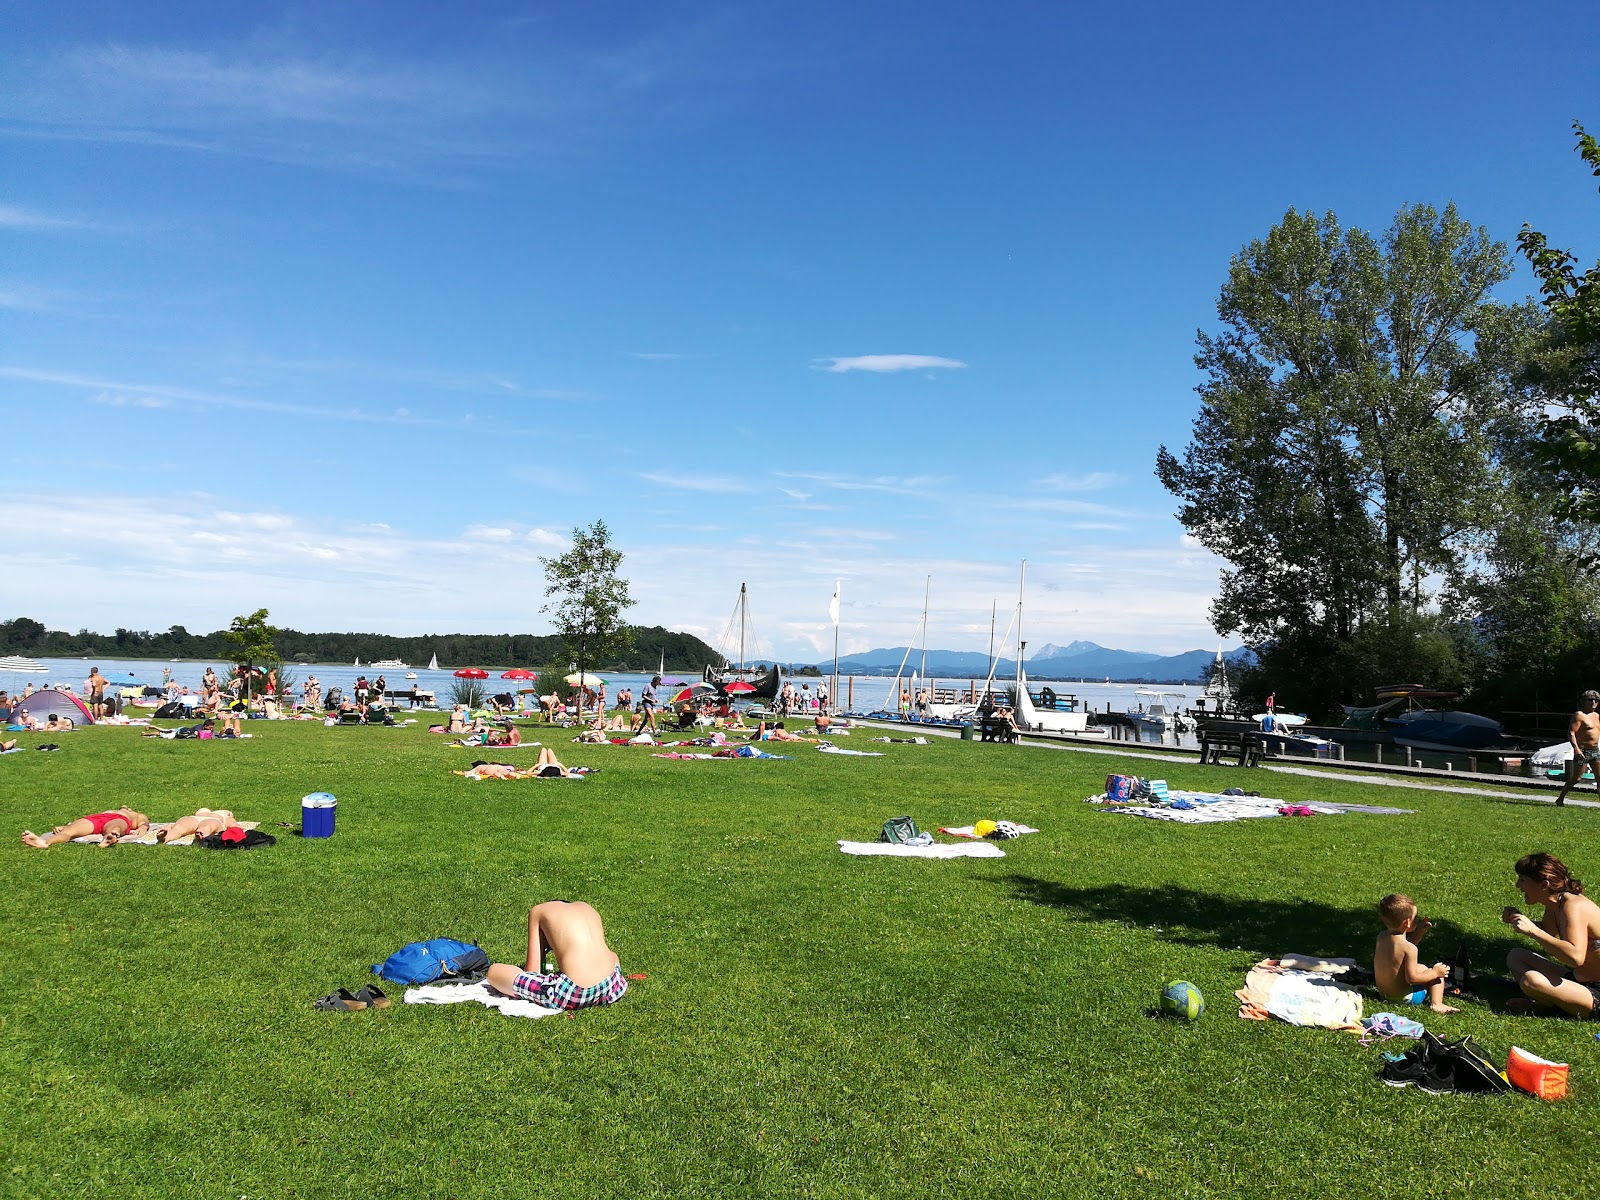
387, 664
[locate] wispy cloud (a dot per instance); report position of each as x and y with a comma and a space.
887, 362
899, 485
124, 400
696, 483
1094, 481
12, 217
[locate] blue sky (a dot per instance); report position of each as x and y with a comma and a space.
353, 311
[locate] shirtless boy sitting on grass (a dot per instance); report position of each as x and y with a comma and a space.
1399, 975
587, 971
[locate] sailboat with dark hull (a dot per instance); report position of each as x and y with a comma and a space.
766, 682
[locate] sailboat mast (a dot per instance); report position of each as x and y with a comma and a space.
1022, 586
744, 602
927, 582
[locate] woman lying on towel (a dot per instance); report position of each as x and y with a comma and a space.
203, 822
776, 734
111, 826
546, 767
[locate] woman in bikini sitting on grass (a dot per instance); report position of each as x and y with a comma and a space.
1566, 975
111, 826
203, 822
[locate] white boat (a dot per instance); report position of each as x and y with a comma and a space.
1042, 709
28, 666
387, 664
433, 663
411, 674
1156, 714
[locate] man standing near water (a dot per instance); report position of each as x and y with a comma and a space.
1584, 736
94, 688
647, 706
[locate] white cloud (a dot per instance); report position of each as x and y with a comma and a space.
1092, 482
13, 217
696, 483
123, 400
887, 362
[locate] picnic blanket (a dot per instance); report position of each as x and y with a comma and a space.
479, 993
1299, 998
148, 837
962, 850
1210, 808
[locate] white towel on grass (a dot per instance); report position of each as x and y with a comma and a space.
962, 850
480, 993
827, 749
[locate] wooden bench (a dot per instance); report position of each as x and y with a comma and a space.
412, 697
1236, 738
996, 729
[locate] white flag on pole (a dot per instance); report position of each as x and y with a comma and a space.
833, 605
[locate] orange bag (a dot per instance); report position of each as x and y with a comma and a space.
1537, 1076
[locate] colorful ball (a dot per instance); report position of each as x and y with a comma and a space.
983, 828
1180, 998
1005, 831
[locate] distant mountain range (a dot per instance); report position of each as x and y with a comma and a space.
1077, 660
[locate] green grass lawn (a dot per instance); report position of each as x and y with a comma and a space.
812, 1024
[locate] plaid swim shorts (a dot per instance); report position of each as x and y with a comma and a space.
559, 991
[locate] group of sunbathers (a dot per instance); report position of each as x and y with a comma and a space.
114, 825
546, 766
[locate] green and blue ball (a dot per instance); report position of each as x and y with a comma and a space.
1180, 998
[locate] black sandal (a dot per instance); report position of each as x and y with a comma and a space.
340, 1001
373, 996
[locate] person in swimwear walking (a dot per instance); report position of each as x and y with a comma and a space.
111, 826
1584, 737
587, 971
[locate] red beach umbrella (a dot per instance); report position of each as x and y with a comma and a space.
471, 673
682, 694
519, 673
739, 687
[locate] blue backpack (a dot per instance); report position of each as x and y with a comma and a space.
436, 959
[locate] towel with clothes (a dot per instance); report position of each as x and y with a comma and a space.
1309, 998
962, 850
1210, 808
971, 831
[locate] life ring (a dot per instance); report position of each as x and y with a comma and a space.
1047, 698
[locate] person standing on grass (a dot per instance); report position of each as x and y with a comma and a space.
1567, 975
648, 700
587, 971
1583, 735
95, 688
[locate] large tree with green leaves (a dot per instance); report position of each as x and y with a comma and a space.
1342, 445
586, 597
1566, 368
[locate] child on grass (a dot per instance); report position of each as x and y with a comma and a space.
1400, 976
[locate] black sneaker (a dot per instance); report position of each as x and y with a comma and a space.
1406, 1072
1438, 1079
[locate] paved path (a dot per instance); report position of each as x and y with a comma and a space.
1282, 769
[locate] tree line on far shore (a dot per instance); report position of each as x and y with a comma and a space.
1400, 471
683, 652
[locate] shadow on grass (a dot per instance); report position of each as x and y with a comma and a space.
1267, 927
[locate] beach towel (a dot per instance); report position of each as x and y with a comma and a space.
480, 993
963, 850
824, 748
148, 837
966, 831
1210, 808
1299, 998
913, 741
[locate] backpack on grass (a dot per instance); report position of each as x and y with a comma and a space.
437, 959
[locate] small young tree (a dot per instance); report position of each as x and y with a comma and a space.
587, 597
251, 639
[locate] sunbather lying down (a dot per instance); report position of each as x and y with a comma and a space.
111, 826
547, 767
203, 822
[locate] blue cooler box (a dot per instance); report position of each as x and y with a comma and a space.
316, 815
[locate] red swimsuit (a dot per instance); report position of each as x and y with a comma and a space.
99, 821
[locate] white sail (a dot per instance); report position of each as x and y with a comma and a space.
433, 663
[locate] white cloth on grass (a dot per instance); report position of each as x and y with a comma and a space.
827, 749
963, 850
480, 993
